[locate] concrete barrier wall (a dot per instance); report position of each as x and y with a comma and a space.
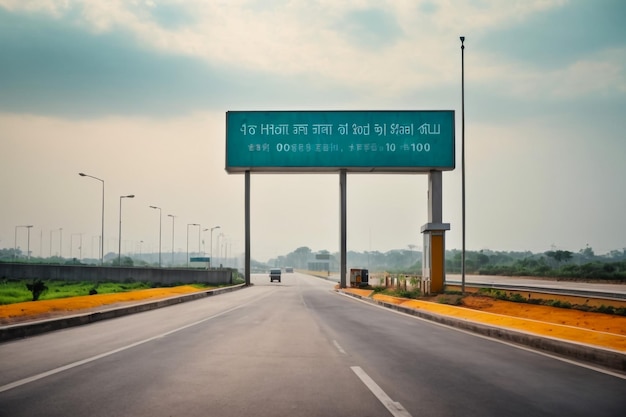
165, 276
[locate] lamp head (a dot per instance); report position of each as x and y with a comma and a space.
462, 38
82, 174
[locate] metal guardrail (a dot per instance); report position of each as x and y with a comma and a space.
545, 290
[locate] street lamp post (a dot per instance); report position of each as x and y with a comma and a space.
189, 224
159, 208
225, 246
199, 231
463, 163
102, 225
15, 241
119, 248
211, 259
80, 245
28, 241
204, 242
219, 254
173, 217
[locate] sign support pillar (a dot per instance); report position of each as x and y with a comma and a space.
247, 227
343, 228
433, 257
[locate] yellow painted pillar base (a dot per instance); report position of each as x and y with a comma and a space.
434, 256
437, 265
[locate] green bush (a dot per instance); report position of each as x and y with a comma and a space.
558, 304
407, 293
606, 309
518, 298
37, 288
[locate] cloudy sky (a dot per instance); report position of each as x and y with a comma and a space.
135, 92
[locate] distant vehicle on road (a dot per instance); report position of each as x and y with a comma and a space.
275, 274
288, 269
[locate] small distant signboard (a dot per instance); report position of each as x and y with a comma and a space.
200, 259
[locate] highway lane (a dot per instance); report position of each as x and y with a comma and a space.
294, 348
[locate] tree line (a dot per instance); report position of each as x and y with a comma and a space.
562, 264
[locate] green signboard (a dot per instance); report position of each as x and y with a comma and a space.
314, 141
200, 259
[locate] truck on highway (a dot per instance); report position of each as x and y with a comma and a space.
275, 274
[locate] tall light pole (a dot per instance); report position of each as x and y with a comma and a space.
189, 224
102, 225
199, 230
80, 243
463, 163
159, 208
28, 241
15, 244
60, 231
15, 241
211, 259
119, 248
173, 217
218, 245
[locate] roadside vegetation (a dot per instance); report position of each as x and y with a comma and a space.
561, 264
18, 291
518, 298
456, 298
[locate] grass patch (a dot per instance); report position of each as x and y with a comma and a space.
16, 291
450, 299
397, 292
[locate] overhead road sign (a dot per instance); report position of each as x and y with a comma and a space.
329, 141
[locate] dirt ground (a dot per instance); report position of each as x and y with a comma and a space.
593, 321
43, 309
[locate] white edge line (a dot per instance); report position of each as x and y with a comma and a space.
395, 408
339, 348
527, 349
42, 375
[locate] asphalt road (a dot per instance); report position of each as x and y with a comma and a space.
291, 349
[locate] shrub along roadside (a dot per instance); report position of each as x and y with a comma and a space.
397, 292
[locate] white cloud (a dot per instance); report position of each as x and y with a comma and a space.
603, 73
306, 38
